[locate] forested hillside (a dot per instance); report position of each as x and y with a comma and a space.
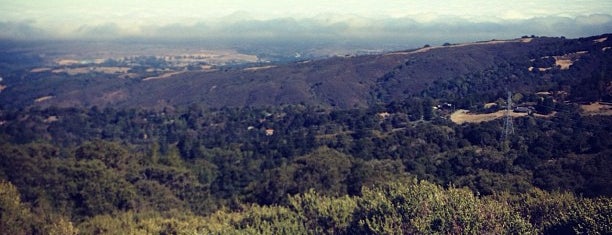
369, 149
247, 168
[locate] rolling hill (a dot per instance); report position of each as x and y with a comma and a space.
452, 71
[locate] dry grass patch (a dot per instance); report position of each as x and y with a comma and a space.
259, 68
531, 68
208, 68
596, 108
41, 99
565, 61
73, 71
489, 105
163, 76
463, 116
551, 114
112, 69
543, 93
40, 70
563, 64
600, 39
84, 70
67, 62
51, 119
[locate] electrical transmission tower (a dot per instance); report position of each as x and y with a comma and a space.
508, 128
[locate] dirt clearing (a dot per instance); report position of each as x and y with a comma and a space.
463, 116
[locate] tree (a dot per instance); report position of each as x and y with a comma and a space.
324, 170
15, 217
112, 154
323, 214
421, 207
428, 109
545, 106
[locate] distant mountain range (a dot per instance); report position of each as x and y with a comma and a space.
451, 72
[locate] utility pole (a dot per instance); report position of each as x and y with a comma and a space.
508, 127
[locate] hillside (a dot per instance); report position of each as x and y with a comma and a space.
455, 72
301, 169
410, 142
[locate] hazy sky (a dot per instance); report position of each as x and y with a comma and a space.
22, 19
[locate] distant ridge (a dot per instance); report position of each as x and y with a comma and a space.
339, 82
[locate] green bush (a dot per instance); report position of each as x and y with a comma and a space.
323, 214
423, 207
563, 213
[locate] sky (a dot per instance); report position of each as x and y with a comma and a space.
340, 20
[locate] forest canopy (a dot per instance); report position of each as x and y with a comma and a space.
319, 171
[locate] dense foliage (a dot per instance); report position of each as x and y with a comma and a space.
394, 208
301, 168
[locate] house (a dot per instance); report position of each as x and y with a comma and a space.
520, 109
383, 115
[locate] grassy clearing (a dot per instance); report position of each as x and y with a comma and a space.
163, 76
596, 108
463, 116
